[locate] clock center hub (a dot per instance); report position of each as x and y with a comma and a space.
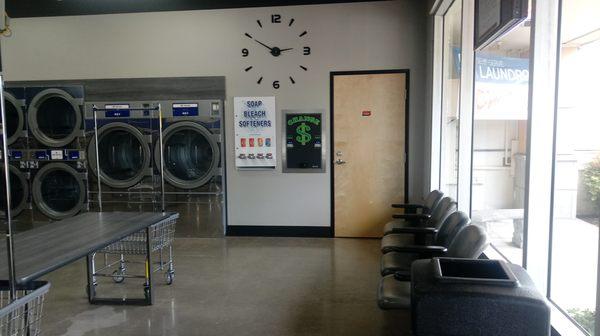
275, 51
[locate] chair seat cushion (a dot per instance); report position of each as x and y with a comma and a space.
396, 262
393, 294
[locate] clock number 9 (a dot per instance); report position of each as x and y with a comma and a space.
276, 84
245, 52
306, 50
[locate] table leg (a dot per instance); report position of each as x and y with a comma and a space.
91, 287
149, 268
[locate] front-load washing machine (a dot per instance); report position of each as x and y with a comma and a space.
19, 186
126, 133
16, 125
55, 117
192, 156
59, 183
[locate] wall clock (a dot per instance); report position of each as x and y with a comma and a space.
276, 39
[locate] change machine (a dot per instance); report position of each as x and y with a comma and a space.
304, 141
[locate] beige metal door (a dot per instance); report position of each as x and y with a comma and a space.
369, 118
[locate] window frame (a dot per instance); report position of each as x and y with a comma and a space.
465, 101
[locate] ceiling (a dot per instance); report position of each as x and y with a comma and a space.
37, 8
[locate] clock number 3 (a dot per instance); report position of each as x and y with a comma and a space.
306, 50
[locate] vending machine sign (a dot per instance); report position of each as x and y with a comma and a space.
303, 141
254, 119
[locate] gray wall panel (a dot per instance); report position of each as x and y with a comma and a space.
143, 88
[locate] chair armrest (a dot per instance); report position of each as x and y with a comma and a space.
416, 230
424, 251
412, 217
407, 206
402, 276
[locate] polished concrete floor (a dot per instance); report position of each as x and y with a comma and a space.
240, 286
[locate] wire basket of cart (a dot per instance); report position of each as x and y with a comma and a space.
161, 236
22, 316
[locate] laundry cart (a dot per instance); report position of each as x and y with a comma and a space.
161, 242
22, 316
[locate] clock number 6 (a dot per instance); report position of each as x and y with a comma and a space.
276, 84
245, 52
306, 50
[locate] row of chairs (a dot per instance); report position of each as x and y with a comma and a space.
424, 231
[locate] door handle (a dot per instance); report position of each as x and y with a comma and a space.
340, 162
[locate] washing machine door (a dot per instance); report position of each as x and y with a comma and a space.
124, 155
58, 190
54, 117
19, 191
14, 118
190, 153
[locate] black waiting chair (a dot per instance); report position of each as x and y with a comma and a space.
394, 289
429, 203
400, 257
443, 209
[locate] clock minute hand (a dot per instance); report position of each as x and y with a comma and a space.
264, 45
286, 49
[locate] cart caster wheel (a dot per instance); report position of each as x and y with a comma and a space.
118, 276
170, 276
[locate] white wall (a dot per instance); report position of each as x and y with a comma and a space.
359, 36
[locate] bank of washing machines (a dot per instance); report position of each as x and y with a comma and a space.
56, 154
192, 159
127, 133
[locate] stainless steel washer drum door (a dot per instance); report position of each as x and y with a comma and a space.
58, 190
191, 155
124, 155
14, 117
19, 191
54, 117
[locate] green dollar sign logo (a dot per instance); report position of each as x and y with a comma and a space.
303, 135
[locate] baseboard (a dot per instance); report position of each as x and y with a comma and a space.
279, 231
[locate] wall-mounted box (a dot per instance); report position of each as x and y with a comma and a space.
255, 136
304, 141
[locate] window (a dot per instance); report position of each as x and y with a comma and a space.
450, 99
562, 150
576, 204
500, 140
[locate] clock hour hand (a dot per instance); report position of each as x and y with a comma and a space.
264, 45
286, 49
